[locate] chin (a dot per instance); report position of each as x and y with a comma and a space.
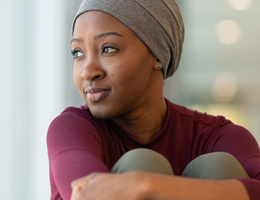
101, 113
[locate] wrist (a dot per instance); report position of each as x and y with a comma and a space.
142, 184
153, 187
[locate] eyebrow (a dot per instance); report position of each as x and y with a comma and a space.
106, 34
77, 40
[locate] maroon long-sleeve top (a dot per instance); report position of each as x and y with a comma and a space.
79, 144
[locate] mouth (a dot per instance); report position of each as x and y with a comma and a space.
95, 94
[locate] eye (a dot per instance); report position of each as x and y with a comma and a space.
77, 53
109, 49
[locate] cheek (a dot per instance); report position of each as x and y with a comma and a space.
77, 78
123, 75
131, 76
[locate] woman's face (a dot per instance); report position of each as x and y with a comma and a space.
113, 70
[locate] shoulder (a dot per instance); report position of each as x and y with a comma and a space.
73, 118
74, 128
75, 115
198, 120
236, 138
211, 133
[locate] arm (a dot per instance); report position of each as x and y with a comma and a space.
195, 189
74, 149
240, 143
147, 186
140, 185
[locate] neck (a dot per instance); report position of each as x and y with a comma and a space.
147, 120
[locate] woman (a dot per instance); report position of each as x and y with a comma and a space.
123, 51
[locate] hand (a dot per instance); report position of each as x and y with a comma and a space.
107, 186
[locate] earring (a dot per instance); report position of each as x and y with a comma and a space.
159, 65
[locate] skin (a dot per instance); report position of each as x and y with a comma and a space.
127, 74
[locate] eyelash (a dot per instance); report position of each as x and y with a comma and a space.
76, 51
109, 47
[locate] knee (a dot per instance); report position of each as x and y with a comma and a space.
217, 165
143, 160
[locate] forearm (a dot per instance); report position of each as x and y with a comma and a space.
179, 188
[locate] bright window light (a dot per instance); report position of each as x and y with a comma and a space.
240, 5
228, 32
224, 87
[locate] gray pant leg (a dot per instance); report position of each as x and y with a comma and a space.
215, 166
143, 160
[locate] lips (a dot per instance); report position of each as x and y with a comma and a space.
95, 94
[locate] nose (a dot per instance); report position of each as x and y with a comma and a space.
92, 71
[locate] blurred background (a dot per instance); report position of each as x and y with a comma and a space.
219, 74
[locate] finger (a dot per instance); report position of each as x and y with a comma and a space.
77, 186
80, 183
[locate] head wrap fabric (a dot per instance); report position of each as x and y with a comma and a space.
158, 23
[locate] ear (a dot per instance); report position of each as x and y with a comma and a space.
157, 64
